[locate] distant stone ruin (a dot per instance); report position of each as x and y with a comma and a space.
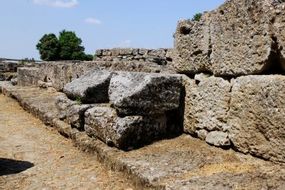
158, 56
223, 82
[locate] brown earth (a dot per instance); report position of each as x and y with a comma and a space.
34, 156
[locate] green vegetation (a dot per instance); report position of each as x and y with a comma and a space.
78, 100
66, 47
197, 17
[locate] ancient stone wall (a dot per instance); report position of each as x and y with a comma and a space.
158, 56
241, 37
225, 104
234, 96
57, 74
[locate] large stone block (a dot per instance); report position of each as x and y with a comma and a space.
192, 46
71, 111
28, 76
256, 116
90, 88
61, 73
241, 37
206, 106
145, 94
125, 133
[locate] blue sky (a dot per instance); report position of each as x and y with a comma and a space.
99, 23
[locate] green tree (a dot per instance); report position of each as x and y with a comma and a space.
70, 46
66, 47
197, 17
48, 47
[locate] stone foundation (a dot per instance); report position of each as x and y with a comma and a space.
57, 74
158, 56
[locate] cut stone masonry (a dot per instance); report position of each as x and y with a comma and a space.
158, 56
224, 101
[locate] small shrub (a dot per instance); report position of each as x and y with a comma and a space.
197, 17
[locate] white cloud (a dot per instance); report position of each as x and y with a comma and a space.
57, 3
93, 21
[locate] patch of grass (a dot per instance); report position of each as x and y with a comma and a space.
78, 100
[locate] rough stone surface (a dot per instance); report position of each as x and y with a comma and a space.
71, 111
90, 88
60, 73
239, 38
180, 163
206, 104
75, 115
125, 133
257, 116
28, 76
145, 94
218, 138
192, 46
63, 104
157, 56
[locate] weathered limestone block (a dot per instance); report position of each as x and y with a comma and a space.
61, 73
241, 37
75, 115
90, 88
144, 94
125, 133
256, 116
206, 106
71, 111
63, 103
28, 76
192, 46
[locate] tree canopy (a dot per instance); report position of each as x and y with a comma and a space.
48, 47
66, 47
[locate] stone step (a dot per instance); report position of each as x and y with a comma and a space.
180, 163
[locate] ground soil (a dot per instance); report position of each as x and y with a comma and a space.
34, 156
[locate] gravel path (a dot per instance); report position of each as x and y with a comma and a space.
33, 156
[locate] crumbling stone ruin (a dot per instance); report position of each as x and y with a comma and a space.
223, 83
158, 56
9, 67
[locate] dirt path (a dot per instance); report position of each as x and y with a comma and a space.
33, 156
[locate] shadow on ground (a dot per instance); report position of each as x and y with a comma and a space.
8, 166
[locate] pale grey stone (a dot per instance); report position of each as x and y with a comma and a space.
125, 133
218, 138
90, 88
145, 94
202, 134
28, 76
